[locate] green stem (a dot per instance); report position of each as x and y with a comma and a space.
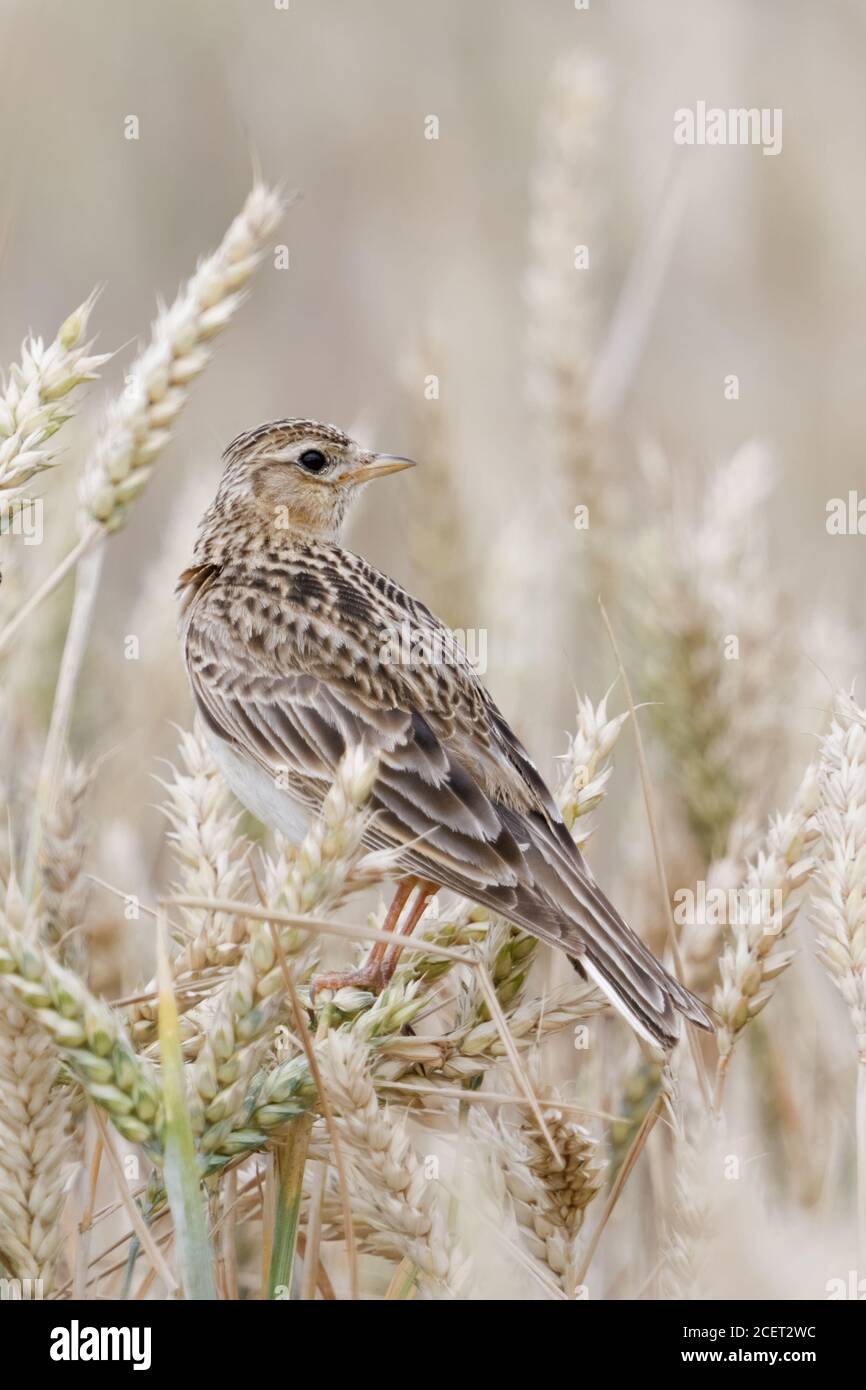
290, 1162
180, 1168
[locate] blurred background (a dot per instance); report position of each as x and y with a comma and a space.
432, 306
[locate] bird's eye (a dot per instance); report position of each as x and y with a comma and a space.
313, 460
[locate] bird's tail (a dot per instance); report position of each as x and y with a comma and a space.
647, 994
603, 949
567, 907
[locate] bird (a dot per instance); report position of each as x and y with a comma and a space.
286, 639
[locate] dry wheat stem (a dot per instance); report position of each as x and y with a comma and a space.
616, 1191
489, 1098
46, 589
349, 930
443, 554
139, 1225
87, 577
327, 1111
88, 1220
627, 332
520, 1074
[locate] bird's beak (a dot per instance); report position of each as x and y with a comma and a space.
379, 466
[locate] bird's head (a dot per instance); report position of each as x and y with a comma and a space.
298, 475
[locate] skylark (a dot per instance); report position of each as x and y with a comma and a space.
287, 639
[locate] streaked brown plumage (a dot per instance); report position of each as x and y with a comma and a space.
285, 637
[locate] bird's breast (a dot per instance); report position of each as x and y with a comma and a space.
269, 800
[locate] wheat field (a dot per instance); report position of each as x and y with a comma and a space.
631, 472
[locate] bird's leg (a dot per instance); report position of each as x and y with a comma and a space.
369, 975
426, 891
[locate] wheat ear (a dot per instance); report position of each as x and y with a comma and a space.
61, 863
549, 1203
393, 1195
246, 1007
36, 399
35, 1157
140, 421
209, 850
86, 1032
840, 900
752, 960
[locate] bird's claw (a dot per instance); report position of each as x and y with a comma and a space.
372, 977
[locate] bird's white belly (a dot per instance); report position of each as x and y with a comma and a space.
271, 804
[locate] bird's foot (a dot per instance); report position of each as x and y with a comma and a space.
372, 976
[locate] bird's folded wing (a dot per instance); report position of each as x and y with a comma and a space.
461, 791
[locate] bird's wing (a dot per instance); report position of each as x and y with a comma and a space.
292, 687
296, 725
